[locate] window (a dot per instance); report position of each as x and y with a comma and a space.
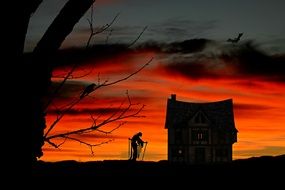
200, 135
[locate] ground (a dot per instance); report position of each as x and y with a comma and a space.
254, 171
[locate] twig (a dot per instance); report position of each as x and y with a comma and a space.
109, 132
100, 30
129, 76
60, 86
88, 144
138, 37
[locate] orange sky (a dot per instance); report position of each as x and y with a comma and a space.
259, 105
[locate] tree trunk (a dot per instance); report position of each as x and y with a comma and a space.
42, 62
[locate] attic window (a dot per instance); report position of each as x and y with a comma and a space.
200, 118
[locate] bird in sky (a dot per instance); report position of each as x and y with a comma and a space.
235, 40
90, 88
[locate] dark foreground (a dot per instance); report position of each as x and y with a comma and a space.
258, 170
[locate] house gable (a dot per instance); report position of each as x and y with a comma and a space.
199, 119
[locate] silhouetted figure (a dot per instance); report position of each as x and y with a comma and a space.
135, 142
235, 40
90, 88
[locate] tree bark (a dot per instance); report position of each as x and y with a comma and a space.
60, 28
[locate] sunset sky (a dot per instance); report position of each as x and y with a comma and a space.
191, 58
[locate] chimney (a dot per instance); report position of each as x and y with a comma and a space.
173, 97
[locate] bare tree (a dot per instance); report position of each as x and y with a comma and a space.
120, 114
40, 66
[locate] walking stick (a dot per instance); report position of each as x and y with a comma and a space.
129, 149
144, 150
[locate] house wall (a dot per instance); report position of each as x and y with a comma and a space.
178, 145
182, 148
193, 154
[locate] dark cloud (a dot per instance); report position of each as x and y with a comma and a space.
99, 136
95, 53
224, 61
115, 34
251, 111
69, 89
87, 111
188, 46
253, 62
250, 107
171, 30
177, 29
193, 70
183, 47
194, 58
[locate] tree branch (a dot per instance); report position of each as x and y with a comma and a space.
96, 88
94, 126
100, 30
80, 141
138, 37
88, 144
71, 76
60, 86
109, 132
129, 76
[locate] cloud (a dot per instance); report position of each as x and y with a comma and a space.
96, 53
171, 30
250, 60
250, 107
97, 135
113, 35
88, 111
181, 47
177, 29
69, 89
223, 61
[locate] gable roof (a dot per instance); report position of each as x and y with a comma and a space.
220, 113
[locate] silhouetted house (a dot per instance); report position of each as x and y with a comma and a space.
200, 132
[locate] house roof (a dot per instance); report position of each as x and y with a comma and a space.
220, 113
